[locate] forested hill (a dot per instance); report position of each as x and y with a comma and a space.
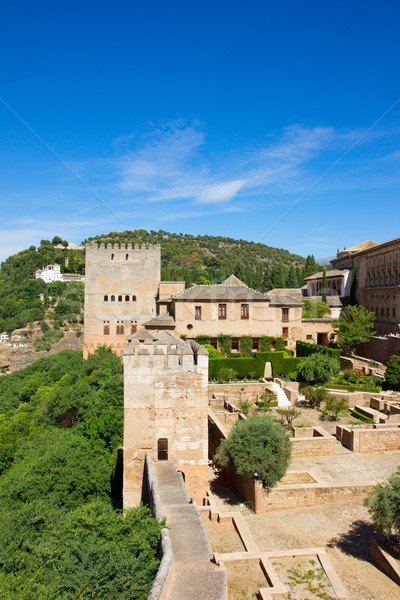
206, 258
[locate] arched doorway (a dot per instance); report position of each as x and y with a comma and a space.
162, 449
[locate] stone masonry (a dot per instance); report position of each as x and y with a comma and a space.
165, 409
120, 292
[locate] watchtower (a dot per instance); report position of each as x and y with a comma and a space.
165, 409
121, 283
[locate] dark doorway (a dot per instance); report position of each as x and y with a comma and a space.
163, 449
322, 339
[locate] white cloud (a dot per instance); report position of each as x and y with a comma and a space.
171, 164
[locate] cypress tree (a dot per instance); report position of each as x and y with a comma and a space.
353, 287
324, 287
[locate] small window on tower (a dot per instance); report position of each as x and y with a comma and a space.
106, 298
112, 256
133, 298
112, 298
197, 313
106, 328
119, 298
126, 298
126, 256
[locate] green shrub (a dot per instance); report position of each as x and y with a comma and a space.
256, 446
202, 339
315, 395
335, 406
319, 368
225, 374
383, 503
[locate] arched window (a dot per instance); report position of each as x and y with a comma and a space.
112, 298
126, 256
127, 298
133, 298
119, 298
112, 256
162, 447
106, 298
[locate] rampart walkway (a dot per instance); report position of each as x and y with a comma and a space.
194, 576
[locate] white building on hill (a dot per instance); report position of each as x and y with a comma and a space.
49, 273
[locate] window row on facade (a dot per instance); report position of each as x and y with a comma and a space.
121, 328
244, 312
120, 298
380, 278
382, 311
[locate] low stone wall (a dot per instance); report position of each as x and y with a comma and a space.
151, 496
353, 398
312, 441
291, 496
385, 562
379, 439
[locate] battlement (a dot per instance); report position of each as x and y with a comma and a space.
164, 350
120, 247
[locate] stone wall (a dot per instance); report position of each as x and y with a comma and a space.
312, 441
380, 348
379, 439
292, 496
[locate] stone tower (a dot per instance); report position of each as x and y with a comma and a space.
121, 284
165, 409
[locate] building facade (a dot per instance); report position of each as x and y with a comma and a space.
378, 280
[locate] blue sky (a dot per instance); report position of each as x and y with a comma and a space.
214, 117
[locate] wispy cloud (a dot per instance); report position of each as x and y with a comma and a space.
172, 163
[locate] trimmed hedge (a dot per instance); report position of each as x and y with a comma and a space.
243, 366
282, 364
306, 349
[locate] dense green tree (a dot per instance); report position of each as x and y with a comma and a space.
319, 368
323, 290
392, 375
258, 447
354, 326
311, 266
292, 278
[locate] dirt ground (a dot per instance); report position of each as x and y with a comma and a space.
344, 529
245, 578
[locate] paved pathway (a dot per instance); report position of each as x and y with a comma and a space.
194, 577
